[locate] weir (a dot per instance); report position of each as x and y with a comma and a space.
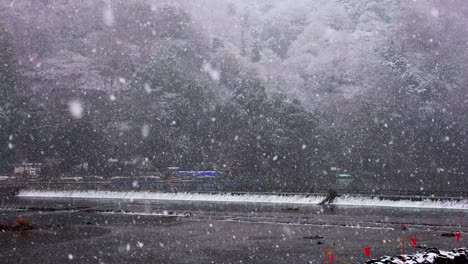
308, 199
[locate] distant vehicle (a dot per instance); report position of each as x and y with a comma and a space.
197, 174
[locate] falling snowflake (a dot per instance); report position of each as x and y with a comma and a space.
108, 14
147, 88
145, 130
76, 109
214, 74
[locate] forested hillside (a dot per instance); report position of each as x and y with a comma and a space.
279, 91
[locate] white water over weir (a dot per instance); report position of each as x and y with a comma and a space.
347, 200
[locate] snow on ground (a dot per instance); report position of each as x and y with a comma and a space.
11, 209
245, 198
164, 213
366, 201
430, 256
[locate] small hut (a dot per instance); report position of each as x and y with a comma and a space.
344, 180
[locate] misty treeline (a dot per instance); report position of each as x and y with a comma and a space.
278, 91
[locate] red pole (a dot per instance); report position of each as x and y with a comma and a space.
326, 256
403, 249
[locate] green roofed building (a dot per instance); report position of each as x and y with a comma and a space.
344, 180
